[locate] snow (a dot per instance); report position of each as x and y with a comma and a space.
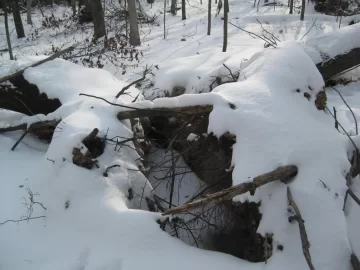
274, 126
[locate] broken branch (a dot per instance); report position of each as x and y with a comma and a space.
304, 239
281, 173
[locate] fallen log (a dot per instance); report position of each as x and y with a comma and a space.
165, 112
52, 57
281, 173
304, 239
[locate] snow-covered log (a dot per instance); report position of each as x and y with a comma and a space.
337, 51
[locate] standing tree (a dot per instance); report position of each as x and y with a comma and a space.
226, 11
164, 19
5, 7
173, 7
183, 9
302, 15
134, 28
291, 6
73, 6
17, 19
28, 11
98, 18
209, 18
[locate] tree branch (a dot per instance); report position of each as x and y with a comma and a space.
281, 173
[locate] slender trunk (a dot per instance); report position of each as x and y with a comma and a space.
215, 2
226, 11
7, 29
209, 18
302, 15
17, 19
291, 6
134, 28
41, 10
254, 3
98, 18
73, 6
28, 11
183, 9
173, 7
164, 19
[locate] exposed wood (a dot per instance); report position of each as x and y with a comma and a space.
52, 57
281, 173
151, 112
339, 64
304, 239
33, 126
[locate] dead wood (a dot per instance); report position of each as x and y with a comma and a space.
52, 57
304, 239
165, 112
281, 173
355, 262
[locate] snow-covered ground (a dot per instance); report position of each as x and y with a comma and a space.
91, 222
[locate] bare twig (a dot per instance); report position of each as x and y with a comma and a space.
347, 105
309, 29
232, 75
146, 71
304, 239
20, 220
19, 140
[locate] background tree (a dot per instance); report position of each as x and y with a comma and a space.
98, 18
183, 9
5, 8
173, 7
133, 20
291, 6
73, 6
209, 18
302, 15
17, 19
28, 11
226, 11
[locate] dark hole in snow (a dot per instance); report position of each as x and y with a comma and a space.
26, 98
280, 247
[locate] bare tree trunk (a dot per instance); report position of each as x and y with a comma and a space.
17, 19
291, 6
164, 19
134, 28
226, 11
28, 11
302, 15
73, 6
209, 18
98, 18
7, 29
173, 7
183, 9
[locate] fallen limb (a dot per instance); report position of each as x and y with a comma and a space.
304, 239
52, 57
281, 173
168, 112
33, 126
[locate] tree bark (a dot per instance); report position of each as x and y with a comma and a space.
291, 6
189, 110
98, 18
8, 40
226, 11
173, 7
134, 28
281, 173
73, 6
209, 18
302, 15
183, 9
28, 11
17, 19
164, 19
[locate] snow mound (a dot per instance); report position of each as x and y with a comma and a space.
276, 123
